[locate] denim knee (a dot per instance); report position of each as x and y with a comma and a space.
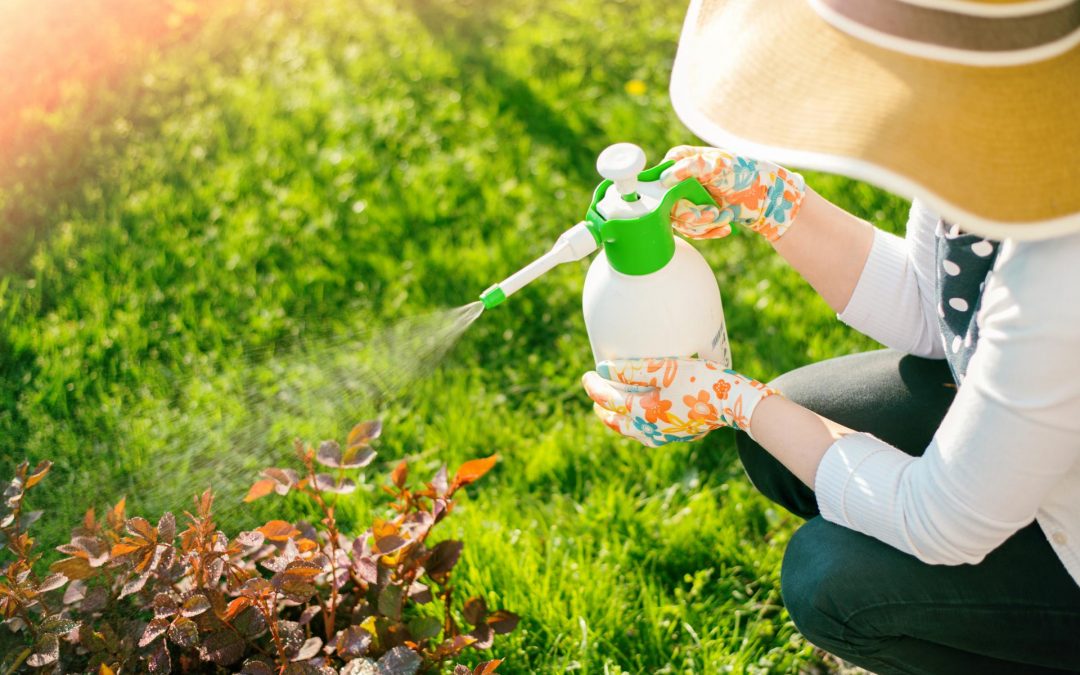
811, 583
831, 574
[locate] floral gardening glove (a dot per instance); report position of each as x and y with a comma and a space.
660, 401
752, 193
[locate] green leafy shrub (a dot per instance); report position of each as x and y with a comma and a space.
132, 596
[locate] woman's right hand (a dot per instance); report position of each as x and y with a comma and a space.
755, 194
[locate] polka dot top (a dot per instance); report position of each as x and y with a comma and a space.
963, 263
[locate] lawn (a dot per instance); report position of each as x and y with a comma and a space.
214, 251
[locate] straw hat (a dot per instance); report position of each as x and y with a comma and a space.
971, 105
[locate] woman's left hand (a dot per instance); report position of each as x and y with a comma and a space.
660, 401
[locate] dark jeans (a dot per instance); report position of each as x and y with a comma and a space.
1018, 611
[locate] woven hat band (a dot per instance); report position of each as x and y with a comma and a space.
944, 34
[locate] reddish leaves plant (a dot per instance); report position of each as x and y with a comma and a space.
133, 596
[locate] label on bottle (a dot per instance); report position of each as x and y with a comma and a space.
721, 348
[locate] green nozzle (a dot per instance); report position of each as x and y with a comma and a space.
492, 297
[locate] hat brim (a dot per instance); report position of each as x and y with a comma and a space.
994, 149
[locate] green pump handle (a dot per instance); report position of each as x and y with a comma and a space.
644, 244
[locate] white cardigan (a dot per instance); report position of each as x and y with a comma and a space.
1006, 452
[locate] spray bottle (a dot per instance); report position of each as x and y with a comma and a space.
648, 293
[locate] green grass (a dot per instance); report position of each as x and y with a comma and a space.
318, 168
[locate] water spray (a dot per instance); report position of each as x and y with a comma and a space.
648, 293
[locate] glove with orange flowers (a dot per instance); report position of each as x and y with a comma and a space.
754, 194
660, 401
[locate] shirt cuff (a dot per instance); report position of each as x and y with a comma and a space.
883, 273
856, 484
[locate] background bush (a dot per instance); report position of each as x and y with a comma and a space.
289, 598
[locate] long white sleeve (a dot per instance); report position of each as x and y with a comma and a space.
893, 301
1007, 452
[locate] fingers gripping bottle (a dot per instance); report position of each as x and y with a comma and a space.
648, 293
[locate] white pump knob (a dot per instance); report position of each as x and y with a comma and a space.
621, 163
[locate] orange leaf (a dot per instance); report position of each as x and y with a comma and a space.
458, 643
302, 571
123, 548
279, 530
105, 670
383, 528
488, 667
141, 527
473, 470
38, 473
205, 502
401, 472
261, 488
364, 433
115, 516
73, 568
235, 607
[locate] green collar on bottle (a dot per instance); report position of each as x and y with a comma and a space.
643, 245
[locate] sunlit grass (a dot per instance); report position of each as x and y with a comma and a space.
321, 168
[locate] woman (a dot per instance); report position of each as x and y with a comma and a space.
940, 477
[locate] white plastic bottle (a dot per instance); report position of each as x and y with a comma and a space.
648, 293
